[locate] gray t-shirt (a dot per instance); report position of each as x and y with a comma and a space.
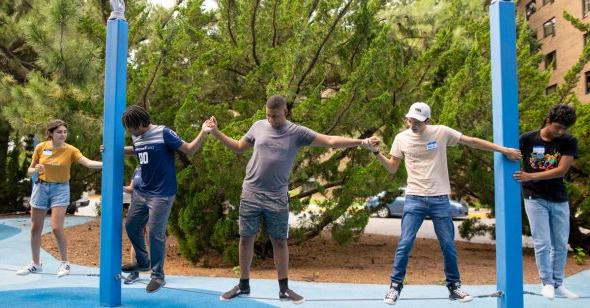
426, 159
274, 153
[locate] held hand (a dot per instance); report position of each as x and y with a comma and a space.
371, 144
39, 168
512, 154
128, 189
521, 176
212, 123
101, 148
206, 127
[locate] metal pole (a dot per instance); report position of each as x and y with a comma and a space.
505, 119
112, 171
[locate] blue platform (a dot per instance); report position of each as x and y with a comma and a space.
81, 288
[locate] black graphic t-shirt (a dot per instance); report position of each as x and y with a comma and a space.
539, 155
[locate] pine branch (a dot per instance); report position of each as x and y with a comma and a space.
318, 52
253, 31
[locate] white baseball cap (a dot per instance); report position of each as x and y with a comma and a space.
419, 111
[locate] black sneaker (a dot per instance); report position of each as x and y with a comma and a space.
155, 285
290, 295
455, 293
392, 295
131, 278
234, 292
134, 267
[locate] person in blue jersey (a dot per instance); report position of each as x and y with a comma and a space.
151, 201
276, 142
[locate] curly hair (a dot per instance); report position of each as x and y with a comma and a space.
135, 116
562, 114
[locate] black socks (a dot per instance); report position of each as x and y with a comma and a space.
284, 284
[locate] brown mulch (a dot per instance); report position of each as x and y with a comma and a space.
367, 260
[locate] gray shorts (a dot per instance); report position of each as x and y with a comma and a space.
273, 209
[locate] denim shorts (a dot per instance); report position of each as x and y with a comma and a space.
272, 209
47, 195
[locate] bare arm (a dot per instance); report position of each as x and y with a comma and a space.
390, 164
480, 144
336, 141
35, 166
560, 171
88, 163
193, 146
128, 150
237, 146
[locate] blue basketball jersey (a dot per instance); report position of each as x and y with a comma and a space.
155, 151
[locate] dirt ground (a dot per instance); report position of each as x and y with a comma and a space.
367, 260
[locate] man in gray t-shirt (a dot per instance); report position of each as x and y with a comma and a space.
276, 142
424, 149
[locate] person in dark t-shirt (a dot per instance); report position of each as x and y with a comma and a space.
547, 155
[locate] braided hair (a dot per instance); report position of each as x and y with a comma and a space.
136, 116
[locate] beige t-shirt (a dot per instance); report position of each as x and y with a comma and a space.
426, 159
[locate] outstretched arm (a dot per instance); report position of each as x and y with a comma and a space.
193, 146
390, 164
340, 142
237, 146
480, 144
88, 163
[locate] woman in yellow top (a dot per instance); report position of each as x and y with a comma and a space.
51, 161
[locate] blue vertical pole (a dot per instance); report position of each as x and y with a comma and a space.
507, 190
112, 171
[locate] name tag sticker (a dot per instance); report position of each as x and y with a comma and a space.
431, 145
538, 151
47, 152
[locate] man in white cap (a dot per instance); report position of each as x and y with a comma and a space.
424, 148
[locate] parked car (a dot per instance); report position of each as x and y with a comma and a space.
385, 205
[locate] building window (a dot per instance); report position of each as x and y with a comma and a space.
585, 7
545, 2
587, 74
550, 89
531, 8
549, 27
551, 60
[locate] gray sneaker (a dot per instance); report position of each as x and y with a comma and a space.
134, 267
234, 292
290, 295
456, 293
131, 278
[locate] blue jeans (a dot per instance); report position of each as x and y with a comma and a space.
550, 226
154, 212
416, 208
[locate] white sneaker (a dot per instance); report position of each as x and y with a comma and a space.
548, 291
63, 269
30, 269
562, 291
